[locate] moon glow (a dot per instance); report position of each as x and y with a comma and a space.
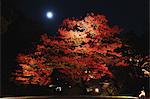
49, 15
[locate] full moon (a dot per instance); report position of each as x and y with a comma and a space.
49, 15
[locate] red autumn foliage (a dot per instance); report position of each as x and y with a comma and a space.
84, 49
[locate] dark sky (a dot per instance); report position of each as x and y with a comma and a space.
28, 21
129, 14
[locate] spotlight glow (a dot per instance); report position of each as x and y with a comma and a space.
96, 90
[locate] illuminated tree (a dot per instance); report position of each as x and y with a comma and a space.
84, 50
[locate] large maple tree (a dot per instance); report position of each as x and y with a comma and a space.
84, 49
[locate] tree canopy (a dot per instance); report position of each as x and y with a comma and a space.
84, 49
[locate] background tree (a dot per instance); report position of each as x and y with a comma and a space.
84, 50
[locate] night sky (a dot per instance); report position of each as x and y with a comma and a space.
28, 21
129, 14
